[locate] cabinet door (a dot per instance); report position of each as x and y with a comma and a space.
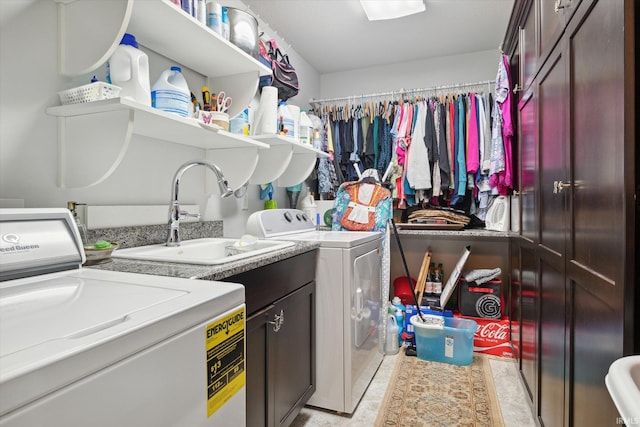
528, 47
257, 368
554, 173
293, 350
553, 340
528, 116
529, 328
553, 166
515, 305
596, 264
552, 21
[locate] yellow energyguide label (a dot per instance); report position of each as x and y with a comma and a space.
225, 345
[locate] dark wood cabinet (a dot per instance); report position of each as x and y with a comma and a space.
576, 292
280, 339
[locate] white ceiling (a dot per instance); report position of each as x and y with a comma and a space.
335, 35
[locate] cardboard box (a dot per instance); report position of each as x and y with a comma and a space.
492, 337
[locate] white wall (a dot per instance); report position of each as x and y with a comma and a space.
29, 83
468, 68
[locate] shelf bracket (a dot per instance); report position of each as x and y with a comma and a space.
79, 142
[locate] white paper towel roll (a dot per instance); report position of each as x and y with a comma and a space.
295, 113
266, 117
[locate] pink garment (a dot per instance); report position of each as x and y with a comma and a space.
503, 180
473, 151
507, 131
400, 136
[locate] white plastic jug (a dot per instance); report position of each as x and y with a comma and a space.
309, 207
306, 129
128, 68
391, 340
285, 121
171, 93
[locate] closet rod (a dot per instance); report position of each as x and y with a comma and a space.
402, 92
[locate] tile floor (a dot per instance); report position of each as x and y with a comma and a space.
511, 395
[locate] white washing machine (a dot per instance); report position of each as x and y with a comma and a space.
348, 300
85, 347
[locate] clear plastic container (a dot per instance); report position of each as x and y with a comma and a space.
171, 93
128, 68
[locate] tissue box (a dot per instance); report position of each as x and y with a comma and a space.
451, 343
492, 337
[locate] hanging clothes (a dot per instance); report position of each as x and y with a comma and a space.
418, 168
473, 152
443, 149
501, 177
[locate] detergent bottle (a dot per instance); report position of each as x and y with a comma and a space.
171, 93
399, 313
308, 206
128, 68
391, 340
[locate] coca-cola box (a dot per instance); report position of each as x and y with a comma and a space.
492, 337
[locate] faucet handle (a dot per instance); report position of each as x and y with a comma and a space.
185, 214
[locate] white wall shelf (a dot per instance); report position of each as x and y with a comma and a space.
87, 154
79, 138
288, 162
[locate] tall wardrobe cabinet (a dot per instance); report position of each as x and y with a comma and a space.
575, 296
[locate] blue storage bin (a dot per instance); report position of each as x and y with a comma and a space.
452, 343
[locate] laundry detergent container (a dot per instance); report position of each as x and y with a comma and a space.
449, 343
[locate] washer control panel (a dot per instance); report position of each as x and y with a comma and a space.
279, 222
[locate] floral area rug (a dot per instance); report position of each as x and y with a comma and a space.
423, 393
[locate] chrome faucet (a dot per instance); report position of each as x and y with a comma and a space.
175, 213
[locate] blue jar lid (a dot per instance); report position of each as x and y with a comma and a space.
129, 39
178, 69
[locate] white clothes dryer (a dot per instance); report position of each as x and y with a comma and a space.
348, 301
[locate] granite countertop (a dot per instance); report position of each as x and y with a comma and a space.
206, 272
129, 237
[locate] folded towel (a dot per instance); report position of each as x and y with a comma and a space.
482, 275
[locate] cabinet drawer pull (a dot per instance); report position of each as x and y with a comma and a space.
278, 321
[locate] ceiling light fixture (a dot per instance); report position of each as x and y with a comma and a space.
377, 10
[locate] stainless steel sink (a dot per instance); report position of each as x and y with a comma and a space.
208, 251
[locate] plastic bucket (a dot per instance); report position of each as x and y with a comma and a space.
452, 343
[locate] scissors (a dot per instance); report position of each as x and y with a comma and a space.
224, 102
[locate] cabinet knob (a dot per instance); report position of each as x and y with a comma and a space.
517, 88
558, 6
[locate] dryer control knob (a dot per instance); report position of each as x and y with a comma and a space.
287, 216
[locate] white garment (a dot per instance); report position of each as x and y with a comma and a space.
437, 191
418, 170
484, 155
